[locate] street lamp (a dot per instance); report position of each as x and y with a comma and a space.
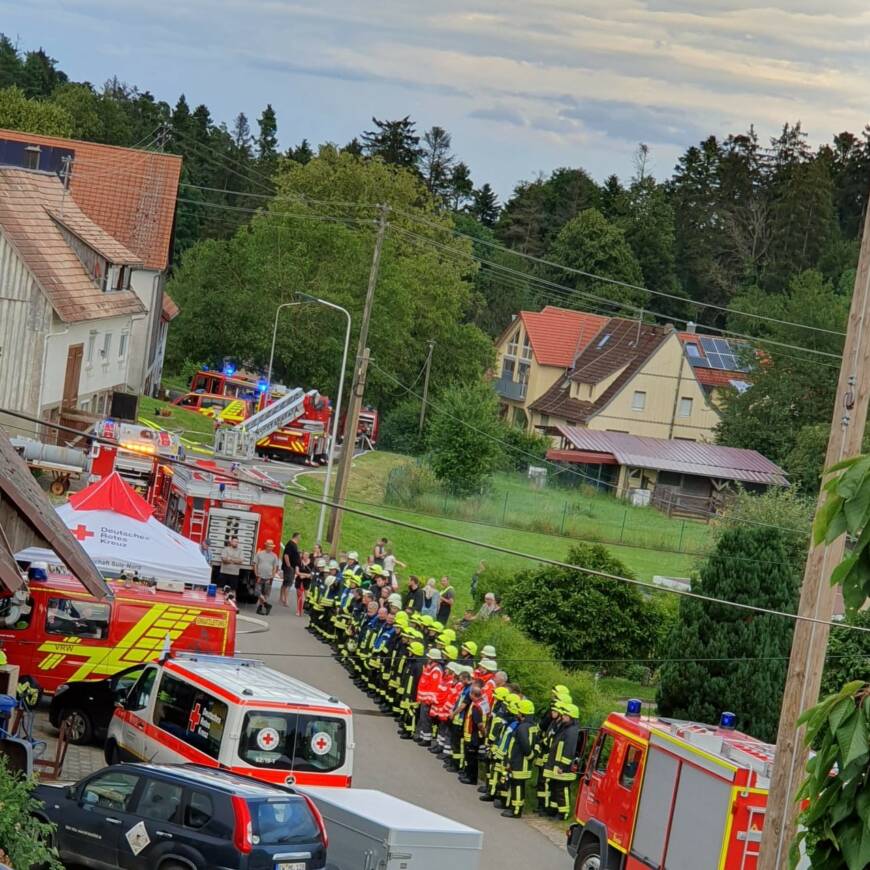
336, 415
272, 352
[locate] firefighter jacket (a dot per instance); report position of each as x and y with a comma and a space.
496, 724
439, 708
520, 750
413, 672
564, 748
382, 640
460, 705
488, 692
472, 725
452, 695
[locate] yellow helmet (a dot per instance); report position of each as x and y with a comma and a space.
501, 693
416, 648
450, 651
449, 634
471, 646
527, 707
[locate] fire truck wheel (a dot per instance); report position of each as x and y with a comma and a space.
588, 857
81, 728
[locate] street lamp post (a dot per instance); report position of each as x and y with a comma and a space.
272, 351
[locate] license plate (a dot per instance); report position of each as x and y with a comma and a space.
290, 865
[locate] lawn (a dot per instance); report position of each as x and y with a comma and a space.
192, 427
428, 555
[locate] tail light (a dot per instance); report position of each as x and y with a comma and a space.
319, 819
243, 835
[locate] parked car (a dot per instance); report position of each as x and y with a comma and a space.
143, 816
89, 704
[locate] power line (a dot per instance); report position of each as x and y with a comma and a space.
507, 551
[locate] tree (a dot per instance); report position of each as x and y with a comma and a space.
267, 141
22, 837
400, 428
437, 162
485, 206
591, 244
241, 136
848, 653
395, 142
461, 187
302, 153
464, 439
353, 147
10, 63
581, 616
82, 105
729, 659
40, 75
17, 112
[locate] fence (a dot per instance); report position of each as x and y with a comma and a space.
584, 514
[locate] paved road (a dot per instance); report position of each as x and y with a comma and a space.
383, 761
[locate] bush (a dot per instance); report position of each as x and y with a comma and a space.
522, 448
583, 617
531, 667
408, 482
848, 655
400, 428
495, 580
22, 837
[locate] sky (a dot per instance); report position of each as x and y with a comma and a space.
523, 86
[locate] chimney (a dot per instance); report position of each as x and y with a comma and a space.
690, 327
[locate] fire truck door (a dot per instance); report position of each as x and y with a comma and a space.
596, 797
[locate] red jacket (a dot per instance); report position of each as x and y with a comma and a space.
488, 691
442, 706
430, 679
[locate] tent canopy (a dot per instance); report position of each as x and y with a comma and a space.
116, 528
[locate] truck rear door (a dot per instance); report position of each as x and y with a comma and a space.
224, 524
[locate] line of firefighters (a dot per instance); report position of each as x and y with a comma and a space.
443, 696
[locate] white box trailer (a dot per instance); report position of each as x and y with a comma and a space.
371, 830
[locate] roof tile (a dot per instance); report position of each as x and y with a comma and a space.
557, 335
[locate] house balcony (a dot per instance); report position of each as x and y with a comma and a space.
509, 389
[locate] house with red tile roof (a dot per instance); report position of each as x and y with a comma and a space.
68, 309
129, 195
720, 363
535, 350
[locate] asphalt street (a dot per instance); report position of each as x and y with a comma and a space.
382, 761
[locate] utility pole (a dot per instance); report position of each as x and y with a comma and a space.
342, 477
426, 386
810, 641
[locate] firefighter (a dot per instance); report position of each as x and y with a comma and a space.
561, 767
454, 751
353, 564
411, 680
519, 760
467, 652
426, 689
550, 722
473, 728
495, 723
446, 695
496, 783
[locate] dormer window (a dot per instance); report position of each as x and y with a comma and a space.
692, 350
31, 157
602, 341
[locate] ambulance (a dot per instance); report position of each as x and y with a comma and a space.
235, 714
56, 632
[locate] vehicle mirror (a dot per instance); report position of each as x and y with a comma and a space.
71, 792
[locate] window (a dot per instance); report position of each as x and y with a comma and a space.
630, 766
638, 402
603, 751
140, 695
110, 791
602, 341
527, 348
545, 420
692, 350
512, 344
107, 346
122, 278
77, 618
31, 157
123, 682
160, 801
199, 810
288, 741
685, 407
16, 611
523, 373
92, 342
282, 822
507, 368
122, 345
191, 714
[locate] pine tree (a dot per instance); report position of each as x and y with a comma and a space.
241, 135
394, 142
40, 75
267, 141
353, 147
461, 186
302, 153
730, 659
485, 205
10, 63
436, 161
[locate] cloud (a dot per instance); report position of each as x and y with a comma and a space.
500, 114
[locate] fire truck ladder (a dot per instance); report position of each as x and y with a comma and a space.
239, 442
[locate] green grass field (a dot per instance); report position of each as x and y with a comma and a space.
428, 555
190, 425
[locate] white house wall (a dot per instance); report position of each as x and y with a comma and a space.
147, 284
24, 317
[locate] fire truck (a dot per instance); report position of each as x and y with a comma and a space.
305, 439
661, 793
367, 426
135, 462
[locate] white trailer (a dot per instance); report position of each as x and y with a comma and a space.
371, 830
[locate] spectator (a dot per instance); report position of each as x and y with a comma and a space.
291, 562
380, 551
415, 598
489, 608
231, 564
475, 578
302, 581
447, 598
431, 597
266, 567
390, 562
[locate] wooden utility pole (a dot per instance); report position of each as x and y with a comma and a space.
426, 386
342, 477
810, 641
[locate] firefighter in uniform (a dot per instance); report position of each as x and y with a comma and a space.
496, 782
427, 687
410, 683
550, 721
473, 729
560, 769
519, 760
495, 724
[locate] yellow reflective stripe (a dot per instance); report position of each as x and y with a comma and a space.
617, 846
626, 733
695, 751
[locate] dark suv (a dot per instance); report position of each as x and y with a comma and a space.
182, 817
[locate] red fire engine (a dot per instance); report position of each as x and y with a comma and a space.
306, 438
213, 501
366, 428
661, 793
135, 462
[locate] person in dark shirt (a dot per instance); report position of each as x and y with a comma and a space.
290, 565
415, 597
445, 605
302, 580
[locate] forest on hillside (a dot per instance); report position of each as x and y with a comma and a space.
755, 237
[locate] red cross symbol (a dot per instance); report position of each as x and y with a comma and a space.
268, 739
82, 532
320, 744
195, 718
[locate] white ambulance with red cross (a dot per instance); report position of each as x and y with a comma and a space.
236, 714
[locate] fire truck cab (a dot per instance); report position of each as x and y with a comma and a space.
205, 500
659, 793
141, 446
